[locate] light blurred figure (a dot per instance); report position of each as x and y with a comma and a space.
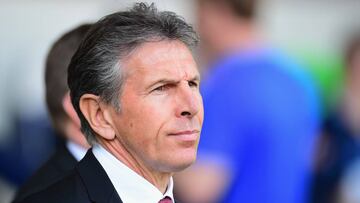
349, 190
261, 115
336, 172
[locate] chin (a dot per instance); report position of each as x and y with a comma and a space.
180, 161
183, 166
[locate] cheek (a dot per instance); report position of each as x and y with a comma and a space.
157, 107
148, 117
201, 111
146, 120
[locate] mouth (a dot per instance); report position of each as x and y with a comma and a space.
187, 135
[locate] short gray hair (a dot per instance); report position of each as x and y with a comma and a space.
96, 66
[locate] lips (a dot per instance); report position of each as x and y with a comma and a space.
186, 132
187, 135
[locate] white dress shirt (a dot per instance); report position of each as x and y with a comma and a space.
131, 187
76, 150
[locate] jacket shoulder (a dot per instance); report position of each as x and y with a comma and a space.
49, 173
68, 189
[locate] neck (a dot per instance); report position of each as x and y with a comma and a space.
351, 108
159, 179
241, 36
72, 132
238, 36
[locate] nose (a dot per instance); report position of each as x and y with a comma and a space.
188, 101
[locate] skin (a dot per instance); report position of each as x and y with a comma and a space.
351, 102
72, 124
158, 127
211, 175
221, 31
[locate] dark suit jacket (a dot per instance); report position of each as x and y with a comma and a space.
87, 182
53, 170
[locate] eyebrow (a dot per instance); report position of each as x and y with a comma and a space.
162, 81
196, 78
170, 81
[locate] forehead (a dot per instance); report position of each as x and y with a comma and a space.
158, 58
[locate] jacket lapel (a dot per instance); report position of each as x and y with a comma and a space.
96, 181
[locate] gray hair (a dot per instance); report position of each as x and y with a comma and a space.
96, 66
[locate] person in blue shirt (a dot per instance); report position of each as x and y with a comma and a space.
261, 115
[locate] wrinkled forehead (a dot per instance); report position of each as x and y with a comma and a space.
172, 57
152, 52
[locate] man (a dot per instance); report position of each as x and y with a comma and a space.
261, 115
135, 87
65, 120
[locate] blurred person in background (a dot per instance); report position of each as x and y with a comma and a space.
63, 115
339, 146
261, 115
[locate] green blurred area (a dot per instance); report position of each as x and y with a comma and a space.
327, 71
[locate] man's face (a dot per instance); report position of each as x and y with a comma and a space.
161, 108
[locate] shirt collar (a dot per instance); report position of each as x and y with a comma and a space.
76, 150
130, 186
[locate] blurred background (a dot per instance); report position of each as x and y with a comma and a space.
315, 33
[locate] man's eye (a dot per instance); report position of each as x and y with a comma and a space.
162, 88
193, 84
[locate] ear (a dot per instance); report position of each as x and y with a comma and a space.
70, 111
97, 116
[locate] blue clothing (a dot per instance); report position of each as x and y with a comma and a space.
261, 120
341, 151
32, 142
